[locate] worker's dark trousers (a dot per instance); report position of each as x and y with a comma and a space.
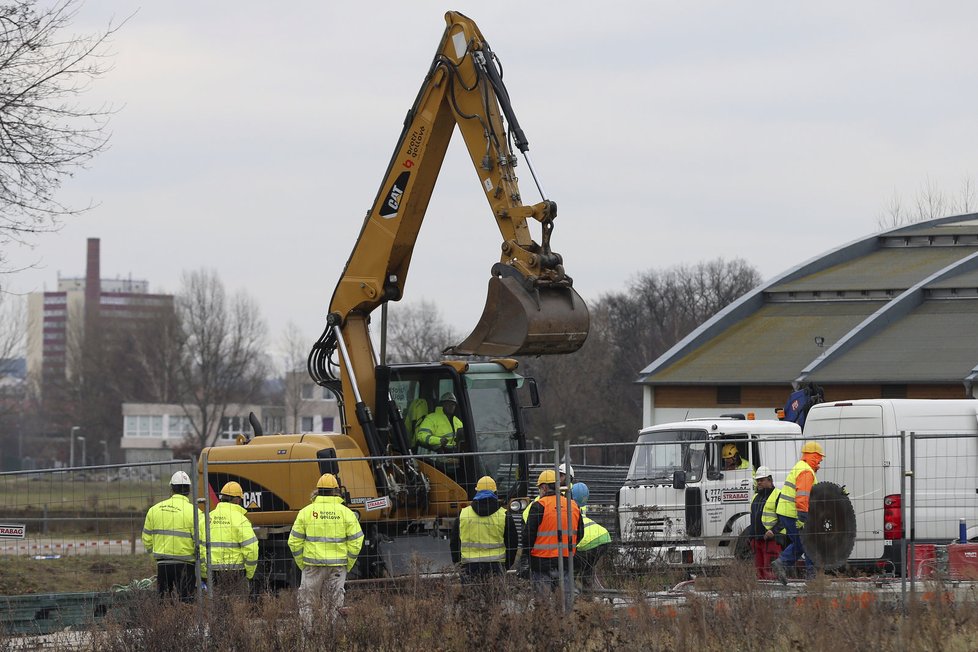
177, 577
794, 550
585, 562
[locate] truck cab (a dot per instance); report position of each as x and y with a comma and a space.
679, 505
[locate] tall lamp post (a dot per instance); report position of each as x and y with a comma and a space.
71, 453
82, 440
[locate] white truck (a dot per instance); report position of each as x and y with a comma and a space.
942, 485
679, 506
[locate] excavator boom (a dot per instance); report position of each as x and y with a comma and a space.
532, 307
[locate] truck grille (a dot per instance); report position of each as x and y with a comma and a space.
646, 525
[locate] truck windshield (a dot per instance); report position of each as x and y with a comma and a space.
658, 455
495, 430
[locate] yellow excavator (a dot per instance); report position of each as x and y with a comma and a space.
403, 494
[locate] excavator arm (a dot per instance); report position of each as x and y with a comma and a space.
532, 307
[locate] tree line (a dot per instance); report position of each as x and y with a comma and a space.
211, 352
592, 392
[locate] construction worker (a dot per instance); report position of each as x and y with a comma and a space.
732, 461
168, 533
564, 479
566, 473
325, 541
548, 537
232, 544
439, 431
592, 545
483, 538
792, 508
762, 523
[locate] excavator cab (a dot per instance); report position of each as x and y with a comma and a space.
488, 409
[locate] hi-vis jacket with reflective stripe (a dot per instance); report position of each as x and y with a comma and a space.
326, 533
233, 544
769, 517
796, 490
543, 531
595, 535
437, 430
168, 532
482, 538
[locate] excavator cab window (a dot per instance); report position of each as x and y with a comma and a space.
487, 420
417, 392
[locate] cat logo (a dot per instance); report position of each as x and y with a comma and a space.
251, 500
388, 210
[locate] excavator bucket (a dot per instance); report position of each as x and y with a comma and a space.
515, 321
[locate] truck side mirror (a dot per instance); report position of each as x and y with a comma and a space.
679, 480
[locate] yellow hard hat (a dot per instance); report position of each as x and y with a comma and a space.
729, 451
232, 489
813, 447
485, 483
547, 477
327, 481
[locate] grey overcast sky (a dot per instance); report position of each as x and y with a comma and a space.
252, 137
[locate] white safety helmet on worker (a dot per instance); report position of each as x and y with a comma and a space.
564, 468
180, 478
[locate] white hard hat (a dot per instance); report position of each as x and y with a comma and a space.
763, 472
566, 469
180, 477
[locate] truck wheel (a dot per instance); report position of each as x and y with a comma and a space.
742, 551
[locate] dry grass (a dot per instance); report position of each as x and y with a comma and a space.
436, 616
728, 613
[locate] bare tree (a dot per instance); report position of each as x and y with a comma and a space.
294, 347
593, 391
45, 134
154, 348
222, 361
929, 203
417, 333
13, 329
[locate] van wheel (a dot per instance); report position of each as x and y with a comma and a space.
742, 551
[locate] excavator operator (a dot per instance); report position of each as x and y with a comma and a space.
440, 431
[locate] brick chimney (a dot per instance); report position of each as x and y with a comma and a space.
93, 284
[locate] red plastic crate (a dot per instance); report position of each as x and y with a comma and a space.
962, 561
924, 560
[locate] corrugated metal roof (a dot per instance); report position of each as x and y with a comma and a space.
936, 342
929, 334
963, 227
965, 280
771, 345
885, 269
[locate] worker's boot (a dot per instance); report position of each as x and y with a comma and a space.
780, 571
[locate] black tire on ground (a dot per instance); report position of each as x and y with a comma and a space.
742, 551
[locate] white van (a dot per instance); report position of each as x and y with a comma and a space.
945, 470
679, 506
